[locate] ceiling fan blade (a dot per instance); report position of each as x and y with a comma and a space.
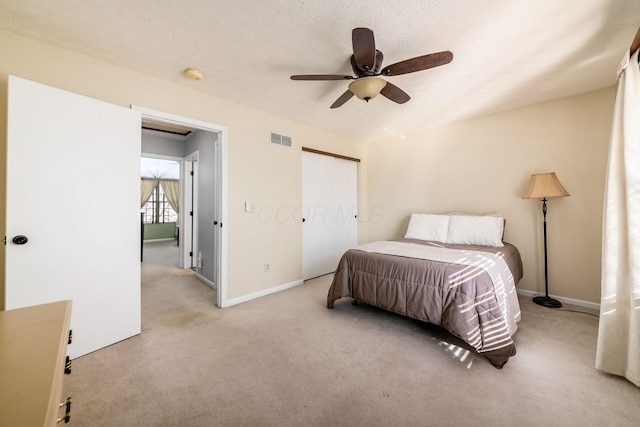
418, 63
364, 48
322, 77
343, 98
394, 93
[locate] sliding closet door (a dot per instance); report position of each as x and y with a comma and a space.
330, 201
73, 192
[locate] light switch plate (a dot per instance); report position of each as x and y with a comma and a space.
250, 207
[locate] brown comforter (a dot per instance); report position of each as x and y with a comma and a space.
418, 289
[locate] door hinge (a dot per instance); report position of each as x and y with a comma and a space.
190, 254
191, 213
5, 240
191, 173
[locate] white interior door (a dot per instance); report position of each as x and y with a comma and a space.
330, 200
73, 189
189, 213
345, 196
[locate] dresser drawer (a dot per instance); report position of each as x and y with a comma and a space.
33, 350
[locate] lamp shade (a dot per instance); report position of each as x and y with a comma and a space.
545, 185
367, 87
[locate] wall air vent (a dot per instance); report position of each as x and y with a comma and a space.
278, 139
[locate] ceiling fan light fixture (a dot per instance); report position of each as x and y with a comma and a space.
367, 87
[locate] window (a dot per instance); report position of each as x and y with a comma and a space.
160, 182
157, 209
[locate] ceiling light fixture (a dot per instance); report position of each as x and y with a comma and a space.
367, 87
194, 74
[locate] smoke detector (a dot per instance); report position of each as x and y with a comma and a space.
194, 74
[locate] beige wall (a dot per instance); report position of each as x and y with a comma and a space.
266, 174
483, 165
476, 166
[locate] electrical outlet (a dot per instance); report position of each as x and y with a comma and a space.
267, 267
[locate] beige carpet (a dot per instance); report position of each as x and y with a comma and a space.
286, 360
165, 252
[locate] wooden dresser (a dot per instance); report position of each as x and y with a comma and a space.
33, 346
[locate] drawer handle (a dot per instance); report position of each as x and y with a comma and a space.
67, 416
67, 366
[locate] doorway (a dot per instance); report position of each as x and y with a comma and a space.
161, 182
203, 158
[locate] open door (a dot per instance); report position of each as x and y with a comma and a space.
73, 192
190, 212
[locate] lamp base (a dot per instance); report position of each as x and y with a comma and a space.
547, 301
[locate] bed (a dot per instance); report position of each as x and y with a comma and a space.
466, 285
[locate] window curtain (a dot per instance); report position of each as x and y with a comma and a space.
146, 189
618, 350
171, 189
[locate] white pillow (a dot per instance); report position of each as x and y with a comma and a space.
476, 230
428, 227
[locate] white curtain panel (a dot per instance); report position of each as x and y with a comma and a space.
146, 188
171, 188
618, 349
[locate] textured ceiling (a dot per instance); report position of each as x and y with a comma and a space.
507, 53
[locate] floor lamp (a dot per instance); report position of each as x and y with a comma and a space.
544, 186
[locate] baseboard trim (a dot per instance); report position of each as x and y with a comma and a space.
255, 295
207, 281
266, 292
579, 303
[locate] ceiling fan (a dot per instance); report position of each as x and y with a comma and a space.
366, 62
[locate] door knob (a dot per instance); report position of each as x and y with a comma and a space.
20, 240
